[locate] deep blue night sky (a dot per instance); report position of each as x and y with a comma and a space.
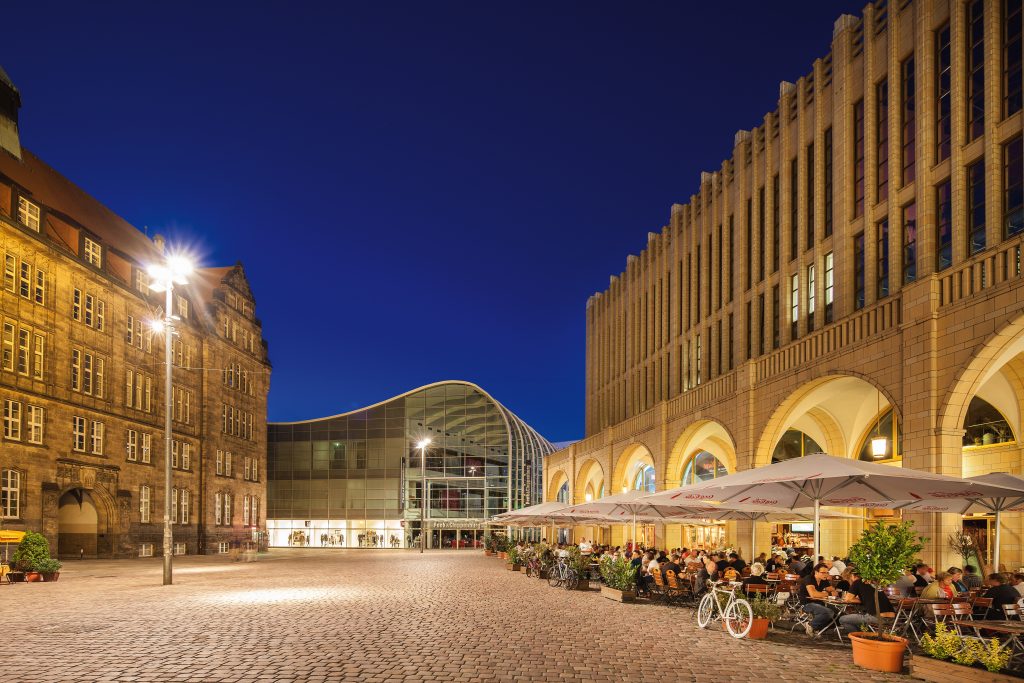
418, 191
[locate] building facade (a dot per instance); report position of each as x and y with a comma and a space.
852, 270
82, 378
356, 480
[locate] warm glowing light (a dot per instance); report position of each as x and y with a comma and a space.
423, 443
589, 497
176, 271
180, 267
157, 326
625, 489
879, 446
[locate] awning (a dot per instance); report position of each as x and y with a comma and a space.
9, 536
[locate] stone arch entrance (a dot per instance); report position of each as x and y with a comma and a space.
77, 524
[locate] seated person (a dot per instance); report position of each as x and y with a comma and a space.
671, 566
1018, 583
1001, 593
756, 576
838, 567
720, 562
905, 584
862, 593
816, 586
778, 563
762, 558
958, 579
940, 588
736, 563
971, 577
845, 581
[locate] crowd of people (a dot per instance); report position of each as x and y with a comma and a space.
816, 583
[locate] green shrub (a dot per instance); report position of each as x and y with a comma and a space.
765, 609
618, 574
49, 566
32, 550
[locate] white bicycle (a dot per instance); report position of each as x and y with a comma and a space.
721, 603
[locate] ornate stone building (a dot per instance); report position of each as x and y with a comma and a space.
853, 270
81, 378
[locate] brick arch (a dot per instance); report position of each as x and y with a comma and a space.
989, 358
633, 453
591, 472
693, 438
783, 416
555, 481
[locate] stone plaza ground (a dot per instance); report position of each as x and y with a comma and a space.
335, 615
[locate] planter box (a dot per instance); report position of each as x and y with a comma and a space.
583, 585
615, 594
938, 671
511, 567
16, 577
522, 569
487, 553
502, 555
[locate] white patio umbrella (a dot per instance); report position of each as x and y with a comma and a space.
628, 503
821, 479
1010, 502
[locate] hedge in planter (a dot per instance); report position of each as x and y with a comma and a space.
964, 653
32, 551
619, 579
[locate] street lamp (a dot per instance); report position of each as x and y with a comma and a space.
422, 445
162, 278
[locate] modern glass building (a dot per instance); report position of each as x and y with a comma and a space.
356, 480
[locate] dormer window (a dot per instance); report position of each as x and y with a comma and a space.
182, 307
141, 281
28, 213
93, 253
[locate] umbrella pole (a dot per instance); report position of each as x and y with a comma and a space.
817, 530
753, 540
995, 554
634, 530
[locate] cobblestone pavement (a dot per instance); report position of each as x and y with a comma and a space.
309, 615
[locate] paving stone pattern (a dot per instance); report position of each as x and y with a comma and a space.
308, 615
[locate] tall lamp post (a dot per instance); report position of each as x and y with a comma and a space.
422, 445
163, 277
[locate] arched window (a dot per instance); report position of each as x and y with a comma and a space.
563, 494
887, 427
703, 466
985, 425
644, 479
794, 444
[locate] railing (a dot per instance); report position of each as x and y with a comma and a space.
868, 323
986, 271
703, 395
636, 424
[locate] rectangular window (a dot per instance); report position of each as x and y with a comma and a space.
975, 69
761, 234
186, 500
976, 206
28, 214
25, 280
254, 518
182, 304
132, 445
146, 448
750, 243
90, 307
729, 256
76, 304
8, 347
79, 429
97, 437
174, 505
943, 86
794, 208
858, 271
810, 297
10, 494
146, 549
227, 509
174, 454
829, 287
93, 253
39, 295
227, 463
245, 510
10, 273
776, 225
882, 246
944, 226
794, 305
828, 182
248, 467
1013, 185
101, 314
761, 324
24, 350
1013, 53
750, 331
698, 364
222, 547
12, 420
858, 158
908, 121
909, 224
141, 281
218, 512
882, 140
144, 507
36, 415
220, 461
39, 357
776, 317
186, 456
256, 462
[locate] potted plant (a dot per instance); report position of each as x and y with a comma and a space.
765, 612
581, 565
965, 654
32, 550
513, 559
488, 545
880, 555
50, 568
619, 579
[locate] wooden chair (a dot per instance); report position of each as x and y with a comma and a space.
981, 607
791, 577
893, 592
658, 589
754, 590
746, 572
773, 576
904, 613
919, 589
676, 588
1012, 612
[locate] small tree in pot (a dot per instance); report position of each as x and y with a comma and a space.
31, 555
881, 555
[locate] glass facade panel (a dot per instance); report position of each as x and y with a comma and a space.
357, 480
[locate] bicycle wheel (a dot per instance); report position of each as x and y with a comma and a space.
529, 570
706, 610
571, 580
553, 578
739, 618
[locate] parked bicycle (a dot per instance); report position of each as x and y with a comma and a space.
560, 574
721, 603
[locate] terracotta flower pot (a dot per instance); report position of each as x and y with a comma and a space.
51, 576
33, 576
759, 629
878, 654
